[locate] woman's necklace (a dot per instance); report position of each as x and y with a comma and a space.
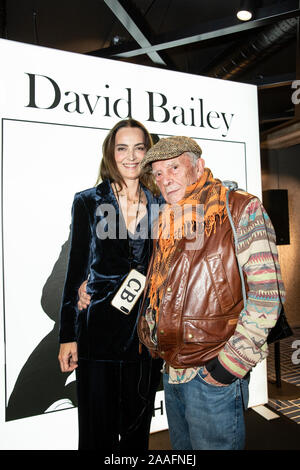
131, 201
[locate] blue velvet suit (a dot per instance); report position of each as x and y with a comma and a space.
110, 364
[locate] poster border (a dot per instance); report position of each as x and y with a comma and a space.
3, 120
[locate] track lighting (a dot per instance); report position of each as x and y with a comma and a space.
246, 10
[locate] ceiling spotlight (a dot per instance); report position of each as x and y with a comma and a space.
116, 40
246, 10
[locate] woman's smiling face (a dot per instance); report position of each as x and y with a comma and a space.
129, 151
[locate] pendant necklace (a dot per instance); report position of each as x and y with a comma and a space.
138, 208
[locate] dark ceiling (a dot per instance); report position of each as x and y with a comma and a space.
193, 36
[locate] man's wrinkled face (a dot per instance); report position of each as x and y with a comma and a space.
174, 175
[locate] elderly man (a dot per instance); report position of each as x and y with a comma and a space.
193, 314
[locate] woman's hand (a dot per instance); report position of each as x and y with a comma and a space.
68, 356
84, 298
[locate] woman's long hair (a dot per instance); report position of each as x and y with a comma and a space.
108, 167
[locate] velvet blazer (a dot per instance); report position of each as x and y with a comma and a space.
99, 254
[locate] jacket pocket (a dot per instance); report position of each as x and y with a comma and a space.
220, 282
209, 330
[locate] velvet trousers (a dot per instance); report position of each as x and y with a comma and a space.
115, 404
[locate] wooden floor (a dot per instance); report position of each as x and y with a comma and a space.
282, 433
261, 434
160, 441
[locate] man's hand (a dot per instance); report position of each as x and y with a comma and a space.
68, 356
210, 380
84, 298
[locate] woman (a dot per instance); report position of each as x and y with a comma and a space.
116, 380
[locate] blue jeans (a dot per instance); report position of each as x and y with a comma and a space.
204, 416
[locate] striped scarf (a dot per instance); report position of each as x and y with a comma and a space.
207, 197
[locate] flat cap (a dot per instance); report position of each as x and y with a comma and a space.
170, 147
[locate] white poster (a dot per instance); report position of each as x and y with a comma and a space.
56, 108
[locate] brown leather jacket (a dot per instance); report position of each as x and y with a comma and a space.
202, 297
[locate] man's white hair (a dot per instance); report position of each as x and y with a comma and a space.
193, 157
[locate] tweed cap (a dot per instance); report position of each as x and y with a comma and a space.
170, 147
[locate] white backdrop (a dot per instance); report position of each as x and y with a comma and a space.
56, 109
